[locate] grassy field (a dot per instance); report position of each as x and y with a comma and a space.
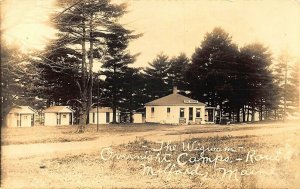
51, 134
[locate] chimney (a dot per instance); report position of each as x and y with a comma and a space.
174, 89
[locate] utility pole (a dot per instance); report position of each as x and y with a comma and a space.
98, 105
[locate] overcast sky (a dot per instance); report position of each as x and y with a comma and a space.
175, 26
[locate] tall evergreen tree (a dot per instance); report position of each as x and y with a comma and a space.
286, 76
117, 60
83, 30
212, 68
257, 60
177, 73
156, 75
16, 72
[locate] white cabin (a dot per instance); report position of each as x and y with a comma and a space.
21, 116
102, 115
58, 115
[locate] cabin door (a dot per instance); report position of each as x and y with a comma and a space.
190, 114
107, 117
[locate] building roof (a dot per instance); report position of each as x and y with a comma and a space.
58, 109
174, 100
103, 110
22, 110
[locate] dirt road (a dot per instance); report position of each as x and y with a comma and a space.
168, 134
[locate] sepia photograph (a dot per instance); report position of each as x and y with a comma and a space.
150, 94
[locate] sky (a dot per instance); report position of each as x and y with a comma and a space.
172, 26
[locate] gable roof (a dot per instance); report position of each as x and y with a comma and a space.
22, 110
58, 109
103, 110
174, 100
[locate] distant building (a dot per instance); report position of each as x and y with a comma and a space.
210, 115
21, 116
175, 109
58, 115
138, 117
104, 116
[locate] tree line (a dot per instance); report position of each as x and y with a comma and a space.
238, 80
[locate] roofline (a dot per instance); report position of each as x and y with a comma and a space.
176, 105
35, 111
49, 111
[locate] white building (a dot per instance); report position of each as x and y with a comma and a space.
104, 116
58, 115
175, 109
21, 116
138, 117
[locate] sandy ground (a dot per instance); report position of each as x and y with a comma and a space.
23, 165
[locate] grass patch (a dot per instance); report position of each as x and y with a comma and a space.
54, 134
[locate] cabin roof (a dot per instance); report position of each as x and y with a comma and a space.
102, 110
58, 109
23, 110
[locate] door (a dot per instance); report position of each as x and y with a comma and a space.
107, 117
181, 116
190, 114
32, 120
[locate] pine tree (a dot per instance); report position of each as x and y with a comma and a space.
83, 30
212, 69
177, 73
287, 79
157, 77
257, 60
117, 60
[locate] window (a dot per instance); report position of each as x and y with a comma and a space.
64, 115
168, 111
93, 117
152, 110
181, 113
198, 110
25, 117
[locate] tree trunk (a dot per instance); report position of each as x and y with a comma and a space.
238, 115
90, 78
248, 113
260, 110
83, 90
244, 113
114, 100
82, 118
284, 92
252, 113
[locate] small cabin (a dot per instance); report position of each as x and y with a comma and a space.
103, 115
21, 116
58, 115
